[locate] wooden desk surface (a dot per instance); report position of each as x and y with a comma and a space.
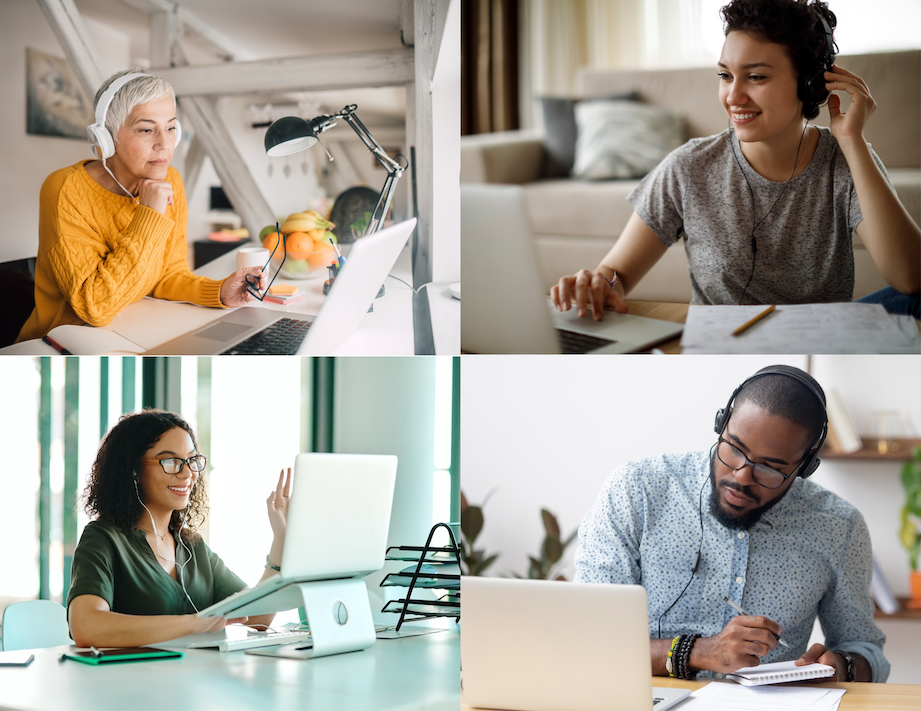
857, 696
675, 313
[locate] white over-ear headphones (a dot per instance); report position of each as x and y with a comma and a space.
97, 134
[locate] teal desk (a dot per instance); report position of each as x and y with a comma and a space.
413, 673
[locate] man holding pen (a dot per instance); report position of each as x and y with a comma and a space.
740, 527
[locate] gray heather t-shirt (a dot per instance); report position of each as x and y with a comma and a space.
804, 247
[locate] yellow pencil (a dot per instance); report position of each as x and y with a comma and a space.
752, 322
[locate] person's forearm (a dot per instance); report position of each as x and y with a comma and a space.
265, 621
658, 649
98, 628
890, 235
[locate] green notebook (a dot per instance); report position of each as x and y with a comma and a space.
124, 654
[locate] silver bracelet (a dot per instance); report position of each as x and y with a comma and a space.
270, 564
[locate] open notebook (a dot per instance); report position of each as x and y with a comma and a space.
779, 672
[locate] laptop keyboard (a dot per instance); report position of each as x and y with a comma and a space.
255, 640
283, 337
572, 342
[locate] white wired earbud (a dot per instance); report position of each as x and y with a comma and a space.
181, 566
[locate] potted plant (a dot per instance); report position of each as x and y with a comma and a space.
475, 562
911, 521
551, 550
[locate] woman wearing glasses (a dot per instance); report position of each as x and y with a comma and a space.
112, 231
141, 571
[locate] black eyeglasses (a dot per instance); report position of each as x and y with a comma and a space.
734, 458
174, 465
252, 282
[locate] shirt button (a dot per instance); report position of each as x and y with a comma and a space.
741, 534
740, 580
718, 675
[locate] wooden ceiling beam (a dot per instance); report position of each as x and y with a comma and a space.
386, 67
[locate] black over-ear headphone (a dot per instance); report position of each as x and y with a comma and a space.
811, 85
811, 461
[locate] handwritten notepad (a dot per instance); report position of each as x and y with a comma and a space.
779, 672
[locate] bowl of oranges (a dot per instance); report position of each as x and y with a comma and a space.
308, 239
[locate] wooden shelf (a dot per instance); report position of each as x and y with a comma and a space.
903, 614
870, 451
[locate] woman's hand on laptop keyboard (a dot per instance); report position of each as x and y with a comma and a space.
213, 624
587, 288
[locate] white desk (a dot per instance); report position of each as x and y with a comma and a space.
411, 673
388, 330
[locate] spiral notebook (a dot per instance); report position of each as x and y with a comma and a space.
779, 672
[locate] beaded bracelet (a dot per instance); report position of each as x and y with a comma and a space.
685, 665
669, 664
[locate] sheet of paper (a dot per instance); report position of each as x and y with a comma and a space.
728, 696
829, 702
799, 328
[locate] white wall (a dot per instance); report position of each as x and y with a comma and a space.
547, 432
28, 159
387, 406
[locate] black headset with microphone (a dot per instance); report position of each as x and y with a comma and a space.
809, 464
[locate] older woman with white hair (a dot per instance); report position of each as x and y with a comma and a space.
113, 230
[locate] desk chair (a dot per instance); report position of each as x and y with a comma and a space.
33, 624
18, 280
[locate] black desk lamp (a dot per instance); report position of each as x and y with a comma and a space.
292, 134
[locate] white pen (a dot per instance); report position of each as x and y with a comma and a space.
743, 612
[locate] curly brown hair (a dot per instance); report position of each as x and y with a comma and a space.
794, 24
110, 492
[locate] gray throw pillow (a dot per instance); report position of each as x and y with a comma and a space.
560, 130
623, 139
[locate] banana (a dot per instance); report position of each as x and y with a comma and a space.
304, 224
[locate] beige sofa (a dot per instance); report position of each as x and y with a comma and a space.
575, 222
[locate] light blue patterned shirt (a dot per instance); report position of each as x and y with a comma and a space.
809, 555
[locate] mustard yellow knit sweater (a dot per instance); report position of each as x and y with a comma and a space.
99, 252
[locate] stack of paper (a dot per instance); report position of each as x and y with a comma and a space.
800, 328
720, 696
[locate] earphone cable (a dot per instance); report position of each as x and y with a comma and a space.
751, 192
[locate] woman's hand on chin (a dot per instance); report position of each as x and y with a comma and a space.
155, 194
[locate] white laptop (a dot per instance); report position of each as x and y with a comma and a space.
535, 645
506, 309
338, 522
369, 262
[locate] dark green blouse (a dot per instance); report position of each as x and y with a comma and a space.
122, 569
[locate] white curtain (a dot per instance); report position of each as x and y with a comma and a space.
560, 36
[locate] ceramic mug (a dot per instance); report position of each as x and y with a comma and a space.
252, 257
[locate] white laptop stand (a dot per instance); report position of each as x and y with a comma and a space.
338, 613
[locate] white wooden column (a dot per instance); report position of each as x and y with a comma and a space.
68, 27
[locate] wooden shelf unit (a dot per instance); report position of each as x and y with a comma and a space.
870, 451
903, 614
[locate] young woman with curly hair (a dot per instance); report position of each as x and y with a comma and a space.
767, 208
141, 571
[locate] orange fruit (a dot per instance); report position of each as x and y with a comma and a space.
323, 255
299, 242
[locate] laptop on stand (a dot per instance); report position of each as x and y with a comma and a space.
536, 645
505, 307
246, 329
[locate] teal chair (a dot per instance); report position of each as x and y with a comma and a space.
34, 624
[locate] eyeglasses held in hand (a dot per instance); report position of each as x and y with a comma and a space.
252, 282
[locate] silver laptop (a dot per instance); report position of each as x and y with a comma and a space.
369, 262
506, 309
535, 645
338, 522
